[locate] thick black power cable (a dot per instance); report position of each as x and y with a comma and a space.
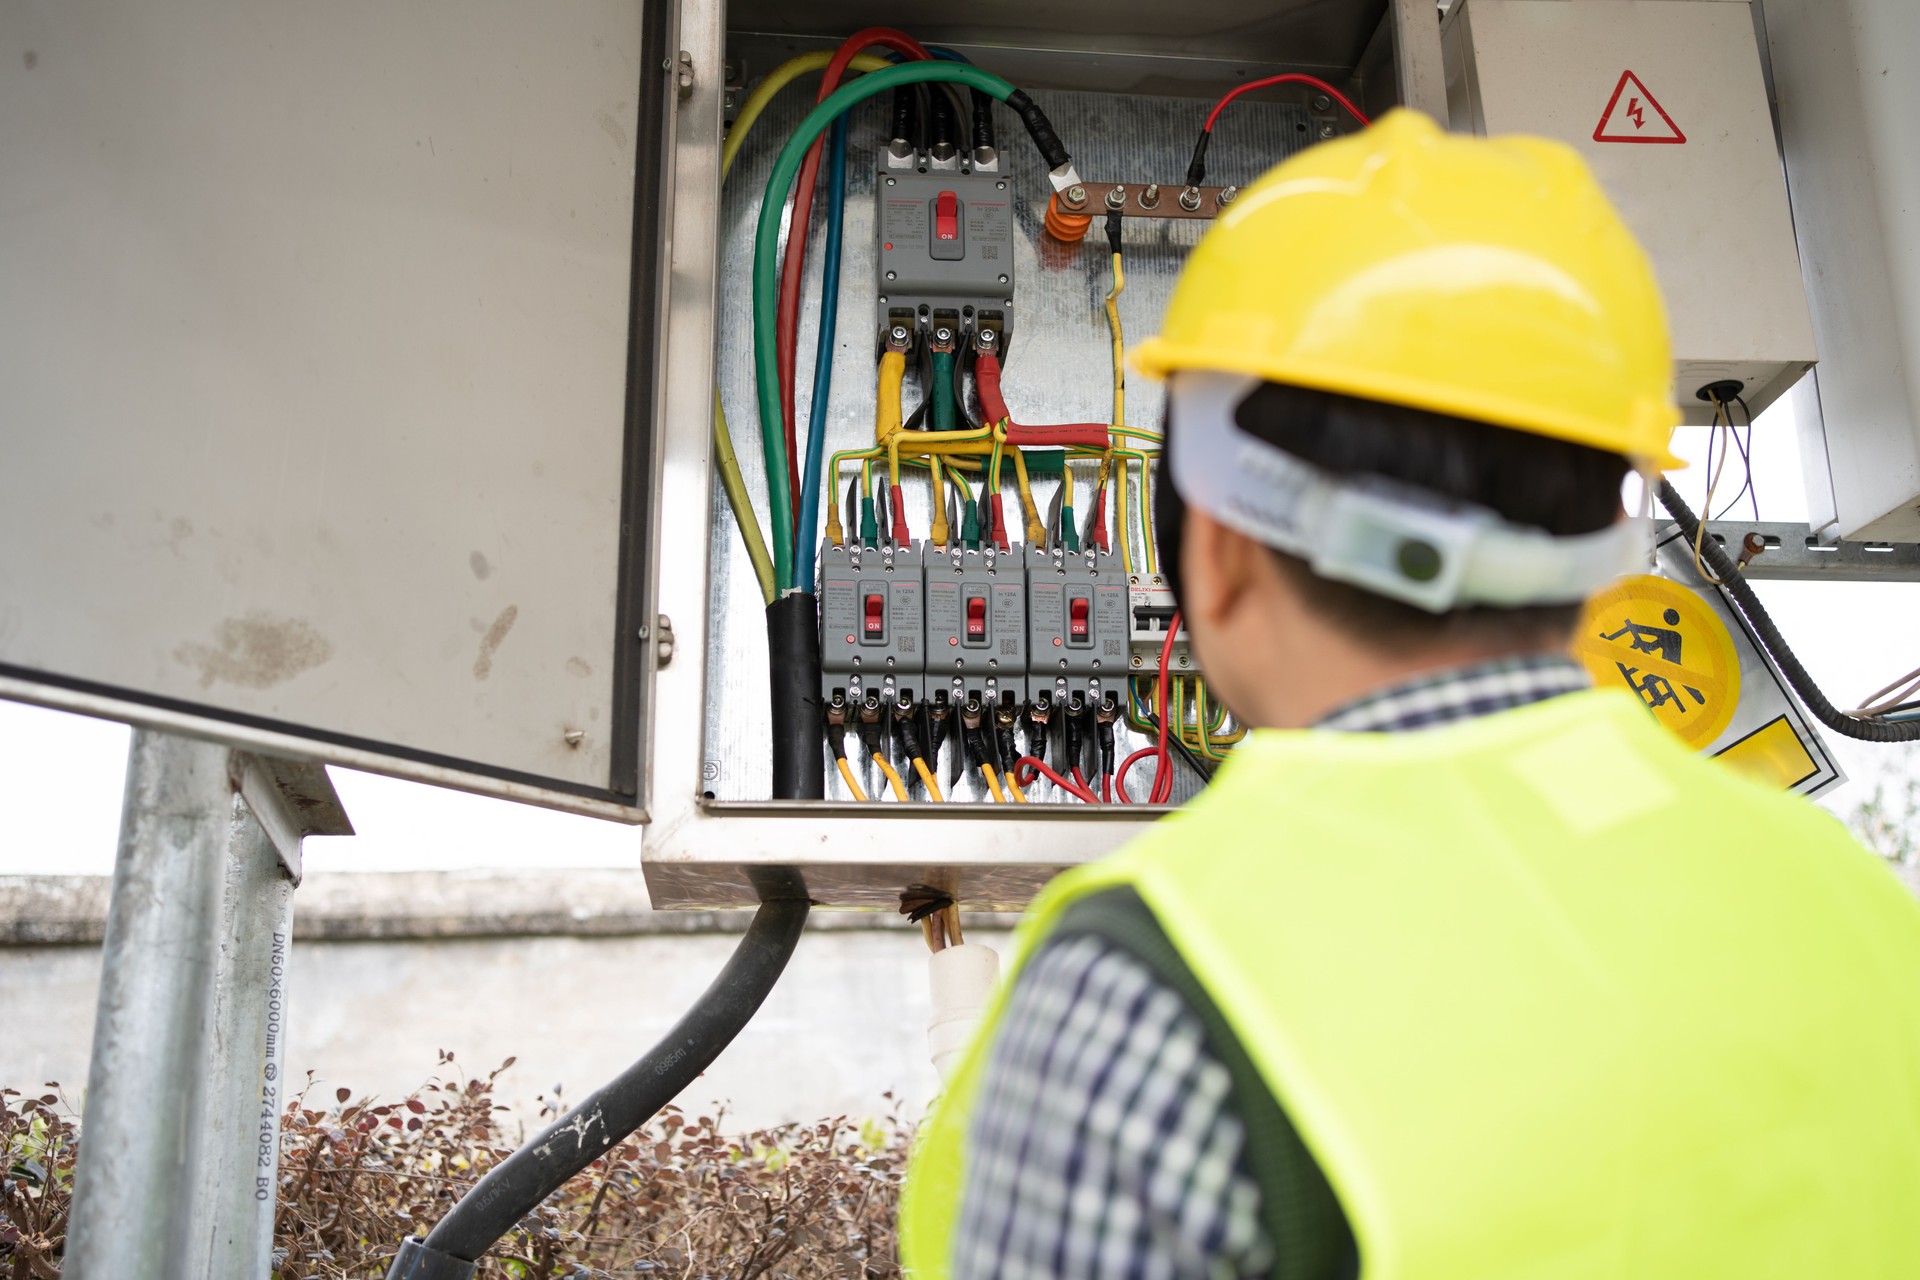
1744, 599
513, 1188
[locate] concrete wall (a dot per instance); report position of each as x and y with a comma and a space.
567, 972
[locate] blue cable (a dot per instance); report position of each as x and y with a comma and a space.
807, 545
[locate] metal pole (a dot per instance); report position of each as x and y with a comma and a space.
134, 1188
241, 1098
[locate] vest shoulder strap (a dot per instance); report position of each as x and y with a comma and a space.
1311, 1237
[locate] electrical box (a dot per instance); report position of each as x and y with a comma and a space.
1667, 101
1847, 99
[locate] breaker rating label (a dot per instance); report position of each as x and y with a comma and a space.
1634, 115
1666, 644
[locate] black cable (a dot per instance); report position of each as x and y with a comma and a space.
1113, 231
1744, 599
1197, 167
982, 119
943, 133
903, 114
513, 1188
1040, 129
922, 119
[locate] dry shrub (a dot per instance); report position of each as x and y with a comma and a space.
677, 1200
36, 1182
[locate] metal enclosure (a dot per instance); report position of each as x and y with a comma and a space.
327, 334
1847, 101
1126, 87
1667, 101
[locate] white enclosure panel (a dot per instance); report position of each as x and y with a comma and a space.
1843, 74
1709, 203
314, 334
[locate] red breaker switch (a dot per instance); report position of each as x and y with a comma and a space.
876, 625
946, 216
976, 619
1077, 619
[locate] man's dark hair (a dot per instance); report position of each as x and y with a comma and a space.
1529, 479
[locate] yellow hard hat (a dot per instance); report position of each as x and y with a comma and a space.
1482, 278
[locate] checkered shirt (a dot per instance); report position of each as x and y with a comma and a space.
1105, 1141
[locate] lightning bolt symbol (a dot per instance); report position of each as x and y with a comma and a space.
1638, 112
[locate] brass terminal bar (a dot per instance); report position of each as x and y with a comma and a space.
1150, 200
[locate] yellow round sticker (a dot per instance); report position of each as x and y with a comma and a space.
1667, 645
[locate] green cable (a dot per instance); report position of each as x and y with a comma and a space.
766, 265
970, 520
869, 527
940, 394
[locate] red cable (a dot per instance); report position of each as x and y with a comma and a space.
1106, 788
1073, 435
1080, 780
1289, 78
1034, 767
1162, 788
787, 325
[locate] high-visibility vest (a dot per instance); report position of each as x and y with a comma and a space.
1546, 995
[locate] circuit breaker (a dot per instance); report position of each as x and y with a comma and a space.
1077, 625
1151, 610
872, 621
945, 249
976, 625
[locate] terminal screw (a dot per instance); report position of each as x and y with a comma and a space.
1321, 102
1190, 199
1075, 197
1151, 196
1116, 197
1228, 195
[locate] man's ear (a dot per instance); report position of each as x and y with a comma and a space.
1218, 566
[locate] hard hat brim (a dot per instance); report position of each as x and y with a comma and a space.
1157, 358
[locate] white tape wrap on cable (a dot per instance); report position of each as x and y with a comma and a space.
963, 981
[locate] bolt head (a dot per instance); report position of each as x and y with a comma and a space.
892, 276
1076, 195
1228, 195
1326, 131
1321, 102
1190, 199
1117, 197
898, 333
943, 334
892, 183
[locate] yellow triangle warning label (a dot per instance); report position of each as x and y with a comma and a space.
1634, 115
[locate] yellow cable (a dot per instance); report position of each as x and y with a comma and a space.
993, 783
893, 779
731, 480
1013, 789
927, 778
1119, 347
940, 530
886, 410
853, 783
735, 486
1036, 527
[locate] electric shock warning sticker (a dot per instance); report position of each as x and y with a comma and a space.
1665, 644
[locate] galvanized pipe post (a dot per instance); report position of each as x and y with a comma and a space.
134, 1187
178, 1169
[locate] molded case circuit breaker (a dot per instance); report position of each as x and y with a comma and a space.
977, 625
1078, 626
872, 622
946, 245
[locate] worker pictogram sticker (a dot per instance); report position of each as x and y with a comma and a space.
1664, 643
1634, 115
